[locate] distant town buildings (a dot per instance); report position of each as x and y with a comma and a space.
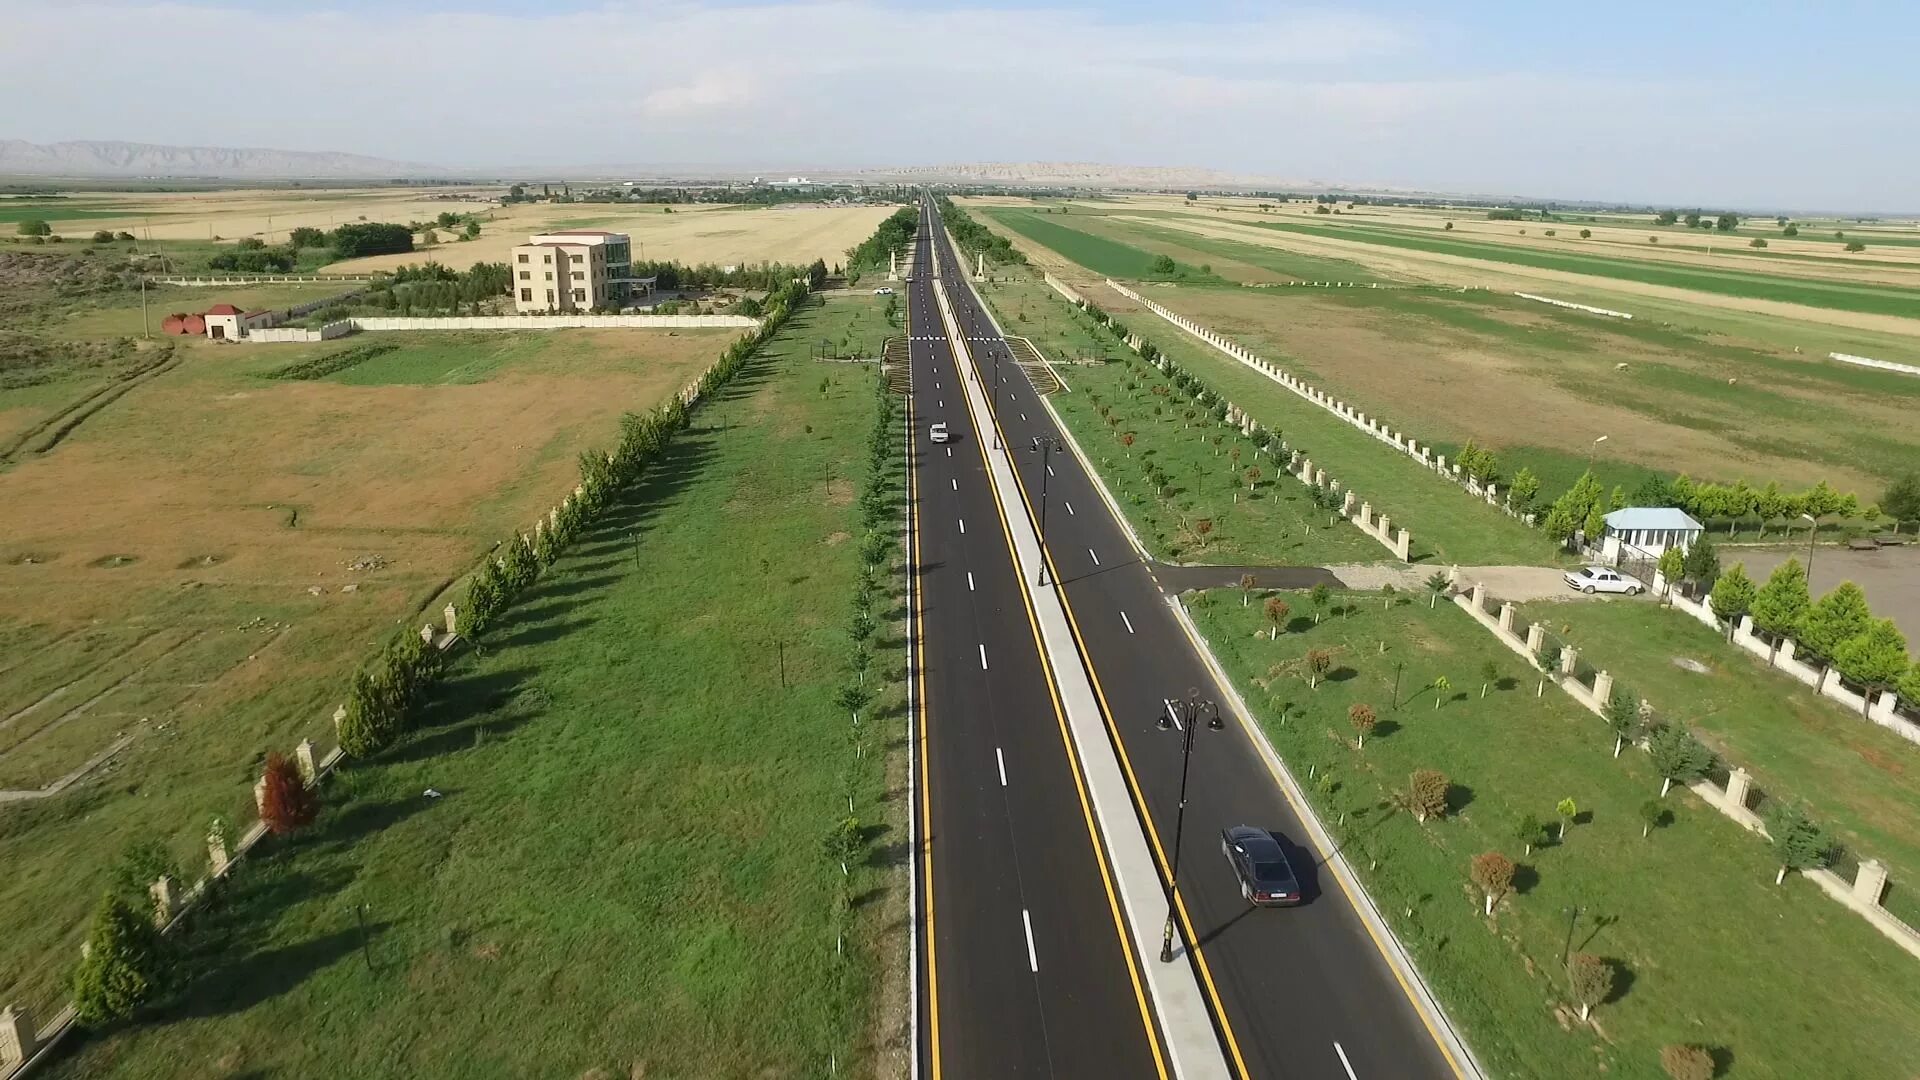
575, 270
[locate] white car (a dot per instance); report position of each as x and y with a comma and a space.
883, 291
1599, 579
938, 432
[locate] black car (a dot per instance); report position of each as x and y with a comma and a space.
1260, 863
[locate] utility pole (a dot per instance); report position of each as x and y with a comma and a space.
1045, 445
144, 331
1184, 716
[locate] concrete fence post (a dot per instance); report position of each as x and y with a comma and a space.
164, 902
1506, 617
426, 633
1739, 782
1346, 504
1366, 515
1868, 885
1536, 638
1602, 687
17, 1038
303, 759
217, 858
1402, 545
1479, 596
452, 619
1569, 661
1385, 525
260, 795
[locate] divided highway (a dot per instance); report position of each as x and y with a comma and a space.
1024, 968
1295, 992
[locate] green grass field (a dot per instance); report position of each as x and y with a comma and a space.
1842, 296
1713, 952
1268, 522
1098, 253
1079, 233
454, 357
625, 871
1851, 773
1448, 526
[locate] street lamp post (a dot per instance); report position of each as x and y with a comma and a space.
1184, 716
1591, 449
1045, 445
1813, 527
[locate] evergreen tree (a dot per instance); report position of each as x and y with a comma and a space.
1782, 603
1875, 658
1837, 618
1678, 756
1800, 842
1733, 595
1702, 563
125, 965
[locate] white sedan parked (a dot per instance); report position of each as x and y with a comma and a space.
938, 432
1599, 579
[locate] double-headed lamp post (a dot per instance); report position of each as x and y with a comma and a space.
1045, 446
1183, 716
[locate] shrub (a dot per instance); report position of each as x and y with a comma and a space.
1687, 1062
125, 965
1427, 793
1678, 756
103, 236
1493, 872
1757, 242
1855, 245
287, 804
1529, 832
843, 841
34, 227
1362, 717
1586, 234
1591, 980
141, 863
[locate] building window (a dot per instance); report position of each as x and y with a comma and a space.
526, 295
546, 257
549, 275
549, 296
523, 256
524, 275
579, 294
578, 258
579, 275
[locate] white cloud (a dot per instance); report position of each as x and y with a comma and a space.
1295, 93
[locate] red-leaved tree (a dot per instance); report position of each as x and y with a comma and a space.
287, 804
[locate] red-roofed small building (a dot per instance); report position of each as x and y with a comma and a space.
223, 322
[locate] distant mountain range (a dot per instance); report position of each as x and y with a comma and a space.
129, 159
1090, 174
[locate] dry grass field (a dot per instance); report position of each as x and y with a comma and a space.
189, 575
696, 233
1709, 387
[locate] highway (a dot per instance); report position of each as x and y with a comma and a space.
1300, 992
1024, 968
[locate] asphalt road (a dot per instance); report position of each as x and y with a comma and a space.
1299, 992
1025, 971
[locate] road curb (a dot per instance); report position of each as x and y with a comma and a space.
1452, 1044
1191, 1041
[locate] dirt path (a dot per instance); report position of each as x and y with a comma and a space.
1516, 583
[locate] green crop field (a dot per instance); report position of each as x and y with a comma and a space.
624, 871
1097, 253
1842, 296
1088, 231
1706, 948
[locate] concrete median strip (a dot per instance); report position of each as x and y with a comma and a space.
1185, 1022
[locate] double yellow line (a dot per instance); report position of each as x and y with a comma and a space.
957, 341
1153, 835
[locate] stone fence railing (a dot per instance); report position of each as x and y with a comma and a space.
199, 280
1885, 711
1406, 444
1862, 895
549, 322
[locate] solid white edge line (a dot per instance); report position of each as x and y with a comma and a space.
913, 731
1344, 1063
1129, 622
1000, 760
1033, 960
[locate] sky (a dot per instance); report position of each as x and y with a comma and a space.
1699, 102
